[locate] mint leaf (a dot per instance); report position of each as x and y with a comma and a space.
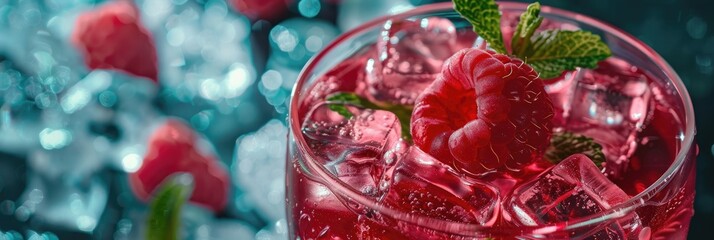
485, 18
341, 100
530, 21
338, 103
164, 220
564, 144
555, 51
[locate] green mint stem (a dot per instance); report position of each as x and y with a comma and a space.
529, 23
164, 220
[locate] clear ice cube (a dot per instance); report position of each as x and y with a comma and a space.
358, 149
207, 70
409, 55
572, 189
610, 104
274, 231
104, 108
20, 120
64, 188
422, 185
93, 125
259, 169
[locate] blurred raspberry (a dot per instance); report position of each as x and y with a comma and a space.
261, 9
173, 149
112, 37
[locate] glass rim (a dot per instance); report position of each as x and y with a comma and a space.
340, 188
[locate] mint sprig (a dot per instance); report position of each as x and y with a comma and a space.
564, 144
555, 51
548, 52
164, 220
338, 103
485, 18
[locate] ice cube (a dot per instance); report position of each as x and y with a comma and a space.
409, 55
29, 39
560, 90
358, 149
610, 104
197, 223
424, 186
105, 108
572, 189
20, 121
66, 200
35, 70
207, 68
205, 52
277, 230
92, 125
259, 169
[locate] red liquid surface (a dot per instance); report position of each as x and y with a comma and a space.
618, 105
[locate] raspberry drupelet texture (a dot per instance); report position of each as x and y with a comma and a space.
484, 112
112, 37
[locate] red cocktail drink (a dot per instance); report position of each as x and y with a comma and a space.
357, 175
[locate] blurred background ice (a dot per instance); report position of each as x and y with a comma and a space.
68, 135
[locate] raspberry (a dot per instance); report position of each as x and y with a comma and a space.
484, 112
261, 9
172, 149
112, 37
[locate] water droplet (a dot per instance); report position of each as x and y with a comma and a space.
86, 223
645, 234
107, 99
309, 8
697, 28
131, 162
704, 64
7, 207
55, 138
22, 213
